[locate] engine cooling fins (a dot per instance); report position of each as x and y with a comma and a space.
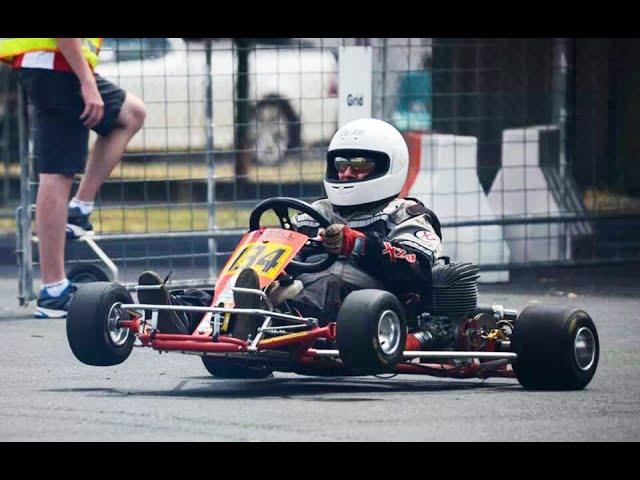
455, 273
455, 290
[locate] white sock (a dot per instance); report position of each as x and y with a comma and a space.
85, 207
55, 289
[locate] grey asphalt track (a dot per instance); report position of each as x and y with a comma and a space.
48, 395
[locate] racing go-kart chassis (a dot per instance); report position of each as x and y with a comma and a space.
544, 347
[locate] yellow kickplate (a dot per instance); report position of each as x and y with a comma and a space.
225, 323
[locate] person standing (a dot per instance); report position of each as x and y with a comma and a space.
69, 98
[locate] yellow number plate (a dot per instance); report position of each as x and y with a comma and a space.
266, 258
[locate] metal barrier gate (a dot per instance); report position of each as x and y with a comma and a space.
212, 147
495, 127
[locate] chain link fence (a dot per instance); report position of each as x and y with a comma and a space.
526, 145
517, 144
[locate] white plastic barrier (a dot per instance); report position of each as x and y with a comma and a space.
520, 189
443, 175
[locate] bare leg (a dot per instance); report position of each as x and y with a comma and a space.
53, 191
108, 150
51, 220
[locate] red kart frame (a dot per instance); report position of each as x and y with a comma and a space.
275, 247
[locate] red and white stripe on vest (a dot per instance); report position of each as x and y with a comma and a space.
42, 59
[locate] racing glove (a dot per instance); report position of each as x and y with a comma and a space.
340, 239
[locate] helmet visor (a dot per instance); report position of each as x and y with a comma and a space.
362, 163
357, 164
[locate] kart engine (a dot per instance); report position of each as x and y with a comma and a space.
455, 290
454, 299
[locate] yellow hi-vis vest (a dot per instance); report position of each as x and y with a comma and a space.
11, 47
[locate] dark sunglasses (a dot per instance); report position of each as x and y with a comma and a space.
357, 164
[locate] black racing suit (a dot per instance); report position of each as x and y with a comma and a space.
403, 240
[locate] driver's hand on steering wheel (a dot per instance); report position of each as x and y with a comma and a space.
338, 239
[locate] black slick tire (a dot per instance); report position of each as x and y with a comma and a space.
87, 325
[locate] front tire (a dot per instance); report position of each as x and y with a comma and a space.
557, 347
92, 329
371, 331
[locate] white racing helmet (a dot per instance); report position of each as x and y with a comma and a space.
369, 140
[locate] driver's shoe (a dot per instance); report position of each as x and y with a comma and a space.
243, 325
169, 321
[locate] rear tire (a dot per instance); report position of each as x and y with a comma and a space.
91, 331
220, 368
371, 331
557, 347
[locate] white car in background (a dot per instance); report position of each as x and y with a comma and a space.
292, 93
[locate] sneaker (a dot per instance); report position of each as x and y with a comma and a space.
242, 324
54, 307
169, 321
78, 224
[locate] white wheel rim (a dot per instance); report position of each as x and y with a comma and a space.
584, 348
272, 135
389, 332
117, 335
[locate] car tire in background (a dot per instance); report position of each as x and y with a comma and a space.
371, 331
92, 329
557, 347
87, 273
274, 130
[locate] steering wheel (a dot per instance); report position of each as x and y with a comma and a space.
281, 206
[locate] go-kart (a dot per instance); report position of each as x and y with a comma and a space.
375, 332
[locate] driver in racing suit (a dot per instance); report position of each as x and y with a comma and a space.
383, 241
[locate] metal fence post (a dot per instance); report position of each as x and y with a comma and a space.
379, 78
5, 141
24, 251
559, 90
211, 168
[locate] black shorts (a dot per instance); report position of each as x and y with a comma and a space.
61, 141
